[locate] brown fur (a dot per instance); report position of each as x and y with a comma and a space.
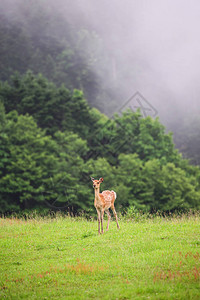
102, 202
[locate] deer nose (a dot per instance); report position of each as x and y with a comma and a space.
94, 185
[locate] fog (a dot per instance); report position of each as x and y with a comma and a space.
154, 45
157, 46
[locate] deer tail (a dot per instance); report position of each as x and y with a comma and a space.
115, 194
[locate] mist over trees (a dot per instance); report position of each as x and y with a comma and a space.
102, 49
60, 79
35, 36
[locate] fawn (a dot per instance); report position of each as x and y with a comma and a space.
102, 202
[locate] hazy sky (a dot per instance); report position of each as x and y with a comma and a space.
159, 40
168, 38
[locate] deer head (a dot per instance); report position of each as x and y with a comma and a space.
96, 183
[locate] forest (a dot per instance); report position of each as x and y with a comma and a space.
55, 128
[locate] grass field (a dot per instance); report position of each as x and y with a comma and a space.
64, 258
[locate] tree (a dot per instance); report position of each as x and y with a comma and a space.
175, 190
53, 108
37, 170
152, 186
144, 136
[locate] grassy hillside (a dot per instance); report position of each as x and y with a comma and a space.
64, 258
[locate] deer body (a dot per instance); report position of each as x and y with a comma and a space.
102, 202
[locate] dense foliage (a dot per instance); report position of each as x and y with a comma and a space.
51, 142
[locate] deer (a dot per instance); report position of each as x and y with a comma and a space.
102, 202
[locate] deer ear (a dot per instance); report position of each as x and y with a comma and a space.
101, 179
92, 178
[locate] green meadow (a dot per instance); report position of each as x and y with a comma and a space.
65, 258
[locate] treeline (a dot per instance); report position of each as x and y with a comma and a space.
51, 142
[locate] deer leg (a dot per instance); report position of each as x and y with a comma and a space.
115, 214
102, 213
99, 218
109, 217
